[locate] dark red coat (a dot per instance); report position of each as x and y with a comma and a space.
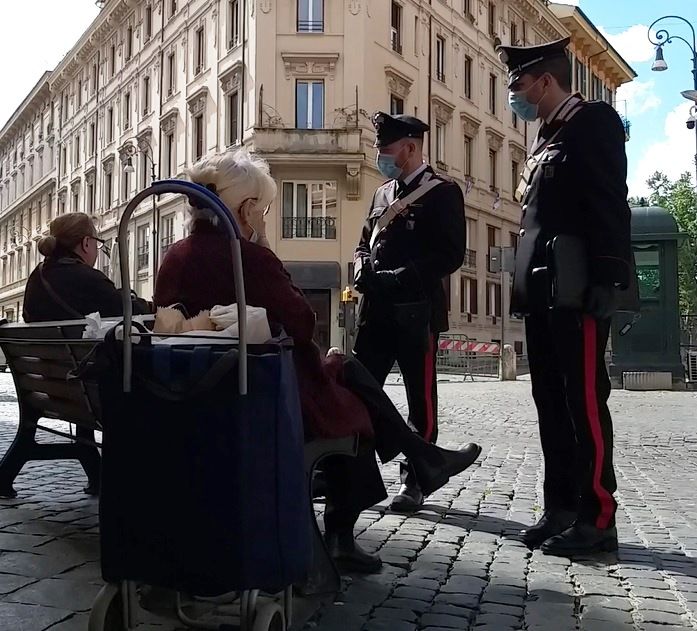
197, 272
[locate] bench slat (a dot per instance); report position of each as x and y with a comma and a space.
68, 331
57, 352
45, 367
60, 409
63, 389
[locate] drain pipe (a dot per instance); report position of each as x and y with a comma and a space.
244, 70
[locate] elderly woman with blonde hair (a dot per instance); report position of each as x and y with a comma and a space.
338, 395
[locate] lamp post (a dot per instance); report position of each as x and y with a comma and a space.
145, 148
659, 40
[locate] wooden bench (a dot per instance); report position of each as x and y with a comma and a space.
40, 357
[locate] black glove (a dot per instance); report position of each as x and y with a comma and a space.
385, 282
601, 301
361, 279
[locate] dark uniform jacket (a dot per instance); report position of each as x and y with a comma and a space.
426, 245
81, 287
578, 188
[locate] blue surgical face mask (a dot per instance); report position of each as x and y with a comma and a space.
387, 165
522, 107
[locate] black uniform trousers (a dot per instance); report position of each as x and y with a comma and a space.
355, 483
378, 349
570, 386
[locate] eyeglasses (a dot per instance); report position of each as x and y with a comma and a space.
102, 245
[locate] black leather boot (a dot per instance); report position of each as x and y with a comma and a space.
581, 539
349, 556
408, 500
552, 523
436, 465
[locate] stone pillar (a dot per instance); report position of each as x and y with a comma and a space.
508, 365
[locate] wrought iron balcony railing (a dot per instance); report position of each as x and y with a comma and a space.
165, 243
470, 259
143, 257
310, 26
309, 227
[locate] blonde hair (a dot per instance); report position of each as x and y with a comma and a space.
234, 176
66, 232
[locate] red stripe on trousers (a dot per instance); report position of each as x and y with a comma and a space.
590, 350
428, 394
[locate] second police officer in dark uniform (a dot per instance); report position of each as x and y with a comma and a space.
414, 237
573, 189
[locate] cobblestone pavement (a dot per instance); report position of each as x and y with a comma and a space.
454, 565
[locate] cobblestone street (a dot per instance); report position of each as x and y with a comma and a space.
454, 565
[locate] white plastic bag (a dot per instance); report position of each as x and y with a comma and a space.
96, 328
258, 330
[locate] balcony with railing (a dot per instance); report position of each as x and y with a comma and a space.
165, 243
470, 261
396, 41
310, 26
626, 123
309, 227
143, 257
321, 142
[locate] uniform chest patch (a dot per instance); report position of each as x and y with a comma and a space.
548, 171
410, 224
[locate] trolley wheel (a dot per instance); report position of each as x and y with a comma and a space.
269, 617
107, 611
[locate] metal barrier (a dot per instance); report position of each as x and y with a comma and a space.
461, 355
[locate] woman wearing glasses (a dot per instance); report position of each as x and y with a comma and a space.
65, 285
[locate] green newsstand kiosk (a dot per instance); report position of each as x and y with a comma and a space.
648, 356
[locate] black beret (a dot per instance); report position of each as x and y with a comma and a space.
389, 129
521, 59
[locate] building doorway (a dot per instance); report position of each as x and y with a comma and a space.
321, 301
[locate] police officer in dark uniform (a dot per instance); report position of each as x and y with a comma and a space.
414, 237
573, 189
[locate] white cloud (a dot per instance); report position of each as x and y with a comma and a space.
637, 97
633, 44
672, 155
572, 2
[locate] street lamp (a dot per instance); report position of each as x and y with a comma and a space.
663, 37
145, 148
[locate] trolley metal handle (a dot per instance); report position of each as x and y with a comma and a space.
212, 201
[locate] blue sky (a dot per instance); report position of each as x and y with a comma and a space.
659, 138
652, 101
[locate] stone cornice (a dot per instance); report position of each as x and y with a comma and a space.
304, 64
494, 138
470, 125
397, 82
443, 109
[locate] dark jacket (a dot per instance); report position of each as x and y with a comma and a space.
579, 188
197, 272
84, 289
426, 245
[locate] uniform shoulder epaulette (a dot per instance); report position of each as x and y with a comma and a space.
600, 107
443, 178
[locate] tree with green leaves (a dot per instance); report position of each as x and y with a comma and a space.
679, 197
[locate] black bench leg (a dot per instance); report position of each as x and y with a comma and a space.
91, 461
16, 457
324, 578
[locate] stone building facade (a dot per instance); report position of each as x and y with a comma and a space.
153, 85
